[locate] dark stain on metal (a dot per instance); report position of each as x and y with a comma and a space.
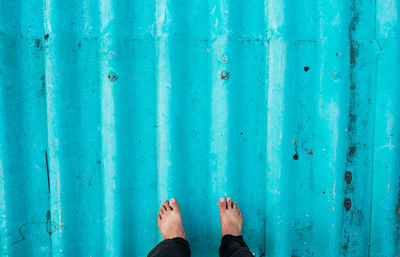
241, 133
353, 107
347, 204
79, 45
262, 253
37, 42
112, 76
295, 156
47, 169
46, 36
398, 208
353, 53
310, 152
306, 68
355, 17
348, 177
352, 117
43, 84
345, 247
323, 192
352, 151
48, 222
225, 75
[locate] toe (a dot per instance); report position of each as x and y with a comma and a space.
235, 206
174, 204
222, 204
163, 209
229, 202
166, 204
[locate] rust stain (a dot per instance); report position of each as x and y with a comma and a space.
352, 151
310, 152
398, 208
353, 52
347, 204
348, 177
295, 156
112, 76
225, 75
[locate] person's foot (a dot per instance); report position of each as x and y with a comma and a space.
231, 217
170, 220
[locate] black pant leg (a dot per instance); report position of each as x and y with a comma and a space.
175, 247
234, 246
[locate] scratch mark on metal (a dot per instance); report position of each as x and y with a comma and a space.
47, 168
48, 223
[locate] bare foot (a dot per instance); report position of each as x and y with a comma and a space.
170, 220
231, 217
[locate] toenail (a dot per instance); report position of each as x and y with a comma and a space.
222, 200
173, 200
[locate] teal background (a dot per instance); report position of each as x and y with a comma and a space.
109, 107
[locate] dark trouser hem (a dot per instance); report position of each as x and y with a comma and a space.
234, 246
175, 247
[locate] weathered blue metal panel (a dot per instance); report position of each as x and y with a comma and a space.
289, 107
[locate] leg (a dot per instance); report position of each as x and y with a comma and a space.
175, 247
170, 224
232, 243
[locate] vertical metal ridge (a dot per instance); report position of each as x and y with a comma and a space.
220, 168
109, 127
219, 98
358, 171
249, 68
49, 147
3, 156
164, 43
3, 213
276, 221
385, 210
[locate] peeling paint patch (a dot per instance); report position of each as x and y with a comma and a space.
348, 177
347, 204
225, 75
112, 76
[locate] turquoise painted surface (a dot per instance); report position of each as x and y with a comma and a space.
289, 107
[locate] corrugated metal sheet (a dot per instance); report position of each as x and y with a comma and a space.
290, 107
